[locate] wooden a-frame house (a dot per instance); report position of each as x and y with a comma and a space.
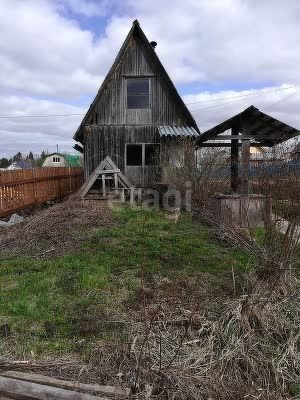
135, 115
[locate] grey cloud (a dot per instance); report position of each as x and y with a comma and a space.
36, 134
283, 105
45, 54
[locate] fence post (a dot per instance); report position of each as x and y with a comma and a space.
70, 180
33, 185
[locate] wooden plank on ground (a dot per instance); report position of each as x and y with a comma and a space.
17, 389
63, 384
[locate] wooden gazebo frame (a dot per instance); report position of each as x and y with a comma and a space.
251, 127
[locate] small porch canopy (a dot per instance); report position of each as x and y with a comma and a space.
251, 127
177, 131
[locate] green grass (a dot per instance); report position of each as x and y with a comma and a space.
295, 391
68, 292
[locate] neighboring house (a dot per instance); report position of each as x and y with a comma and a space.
136, 116
54, 160
260, 154
22, 164
62, 160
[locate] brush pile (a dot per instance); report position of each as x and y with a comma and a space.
249, 349
55, 230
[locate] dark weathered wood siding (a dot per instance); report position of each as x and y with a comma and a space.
111, 125
102, 141
112, 105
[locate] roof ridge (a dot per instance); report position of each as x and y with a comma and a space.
135, 26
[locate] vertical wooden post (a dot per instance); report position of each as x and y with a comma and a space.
132, 196
139, 195
70, 180
245, 167
103, 185
234, 162
123, 195
116, 180
245, 183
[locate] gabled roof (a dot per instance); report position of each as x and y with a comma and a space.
134, 29
55, 154
262, 127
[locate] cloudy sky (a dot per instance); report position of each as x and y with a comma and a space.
223, 55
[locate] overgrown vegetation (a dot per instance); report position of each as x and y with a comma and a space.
49, 304
196, 309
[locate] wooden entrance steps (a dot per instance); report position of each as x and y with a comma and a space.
107, 172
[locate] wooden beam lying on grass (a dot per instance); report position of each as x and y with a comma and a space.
17, 389
112, 391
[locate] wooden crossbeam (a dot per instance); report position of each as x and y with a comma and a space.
106, 167
240, 137
110, 171
90, 180
205, 144
126, 182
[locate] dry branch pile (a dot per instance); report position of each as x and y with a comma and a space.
250, 350
55, 230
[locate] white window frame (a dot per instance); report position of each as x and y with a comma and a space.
56, 160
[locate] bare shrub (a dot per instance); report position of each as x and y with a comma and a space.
249, 349
278, 179
206, 169
271, 175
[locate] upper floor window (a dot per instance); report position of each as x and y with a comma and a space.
56, 159
138, 93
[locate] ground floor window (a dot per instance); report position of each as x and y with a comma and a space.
134, 155
141, 154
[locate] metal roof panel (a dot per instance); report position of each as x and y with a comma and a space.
175, 131
255, 121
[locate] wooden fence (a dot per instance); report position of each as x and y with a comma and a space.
20, 189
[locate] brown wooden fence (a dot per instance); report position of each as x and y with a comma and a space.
20, 189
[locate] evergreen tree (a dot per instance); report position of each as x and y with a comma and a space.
4, 162
41, 159
17, 157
